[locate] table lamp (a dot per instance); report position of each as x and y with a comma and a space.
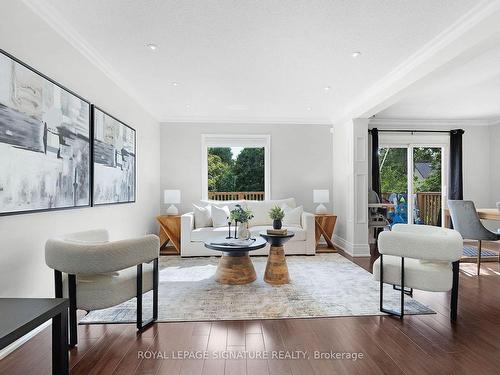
321, 196
172, 197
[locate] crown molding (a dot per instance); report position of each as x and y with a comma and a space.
196, 120
394, 123
481, 21
56, 21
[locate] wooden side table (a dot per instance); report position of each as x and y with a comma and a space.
325, 224
170, 231
276, 267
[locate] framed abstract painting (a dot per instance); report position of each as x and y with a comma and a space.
114, 150
45, 150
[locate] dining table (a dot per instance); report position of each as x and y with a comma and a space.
483, 213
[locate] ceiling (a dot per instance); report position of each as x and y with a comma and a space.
467, 89
253, 61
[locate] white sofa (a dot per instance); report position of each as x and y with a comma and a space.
192, 238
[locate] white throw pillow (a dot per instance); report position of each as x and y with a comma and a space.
293, 216
220, 216
202, 216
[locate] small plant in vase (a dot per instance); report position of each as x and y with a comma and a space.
277, 214
241, 215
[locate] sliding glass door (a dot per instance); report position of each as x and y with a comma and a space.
394, 182
412, 179
427, 185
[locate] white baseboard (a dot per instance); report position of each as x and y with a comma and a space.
354, 250
16, 344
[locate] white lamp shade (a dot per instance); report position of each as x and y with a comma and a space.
172, 196
321, 196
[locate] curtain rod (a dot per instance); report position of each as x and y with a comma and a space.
412, 131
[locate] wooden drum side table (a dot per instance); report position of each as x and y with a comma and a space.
170, 231
325, 224
235, 266
276, 267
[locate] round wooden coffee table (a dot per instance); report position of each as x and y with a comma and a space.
276, 268
235, 266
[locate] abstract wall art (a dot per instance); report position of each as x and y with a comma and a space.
114, 160
45, 156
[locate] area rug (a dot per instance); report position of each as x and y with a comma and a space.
325, 285
471, 251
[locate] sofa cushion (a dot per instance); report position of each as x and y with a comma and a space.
202, 216
230, 204
300, 234
220, 216
293, 216
210, 233
260, 209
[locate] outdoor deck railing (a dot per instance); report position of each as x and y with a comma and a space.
233, 195
428, 205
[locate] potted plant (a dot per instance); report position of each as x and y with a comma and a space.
241, 215
277, 214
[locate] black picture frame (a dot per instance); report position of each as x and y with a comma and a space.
88, 135
96, 149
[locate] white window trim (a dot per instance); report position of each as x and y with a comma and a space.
235, 140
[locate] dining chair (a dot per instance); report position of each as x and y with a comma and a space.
466, 221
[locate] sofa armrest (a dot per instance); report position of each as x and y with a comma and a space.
308, 223
187, 226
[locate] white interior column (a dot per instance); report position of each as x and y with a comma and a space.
350, 186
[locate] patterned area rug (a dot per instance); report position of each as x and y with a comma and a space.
325, 285
471, 251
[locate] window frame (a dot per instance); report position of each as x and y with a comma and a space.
235, 140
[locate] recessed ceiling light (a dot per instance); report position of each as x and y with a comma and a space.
188, 106
327, 88
175, 83
152, 47
356, 54
309, 108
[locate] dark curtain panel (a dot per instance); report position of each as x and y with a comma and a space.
456, 186
375, 162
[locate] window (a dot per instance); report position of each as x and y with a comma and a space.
235, 167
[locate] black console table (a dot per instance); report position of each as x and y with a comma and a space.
22, 315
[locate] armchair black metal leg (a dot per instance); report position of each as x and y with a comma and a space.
400, 314
73, 324
139, 296
454, 291
58, 285
141, 325
155, 288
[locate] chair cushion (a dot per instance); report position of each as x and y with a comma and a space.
94, 292
429, 276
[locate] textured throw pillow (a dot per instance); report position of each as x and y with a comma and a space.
220, 216
202, 216
293, 216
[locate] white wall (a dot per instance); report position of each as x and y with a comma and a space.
494, 165
23, 272
350, 180
300, 159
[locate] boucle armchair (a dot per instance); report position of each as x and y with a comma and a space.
419, 257
95, 273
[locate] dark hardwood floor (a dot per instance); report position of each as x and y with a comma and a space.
425, 344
